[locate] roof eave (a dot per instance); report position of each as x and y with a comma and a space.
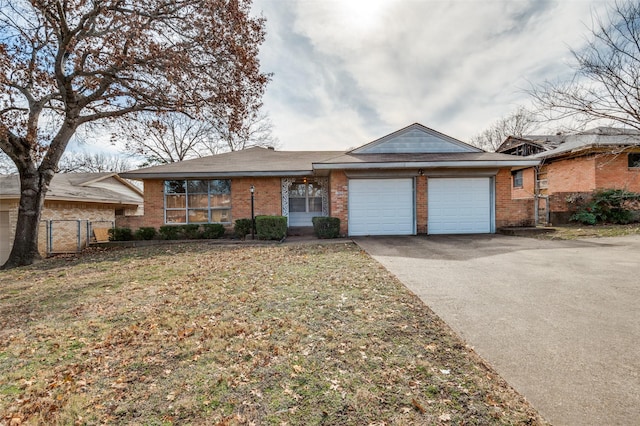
427, 164
188, 175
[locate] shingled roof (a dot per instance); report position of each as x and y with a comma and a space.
85, 187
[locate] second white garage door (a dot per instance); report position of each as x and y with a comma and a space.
381, 207
459, 206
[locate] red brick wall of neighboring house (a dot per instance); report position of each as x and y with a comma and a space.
528, 185
612, 171
339, 199
572, 175
421, 204
267, 198
510, 211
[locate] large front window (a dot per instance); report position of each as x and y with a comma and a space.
305, 197
197, 201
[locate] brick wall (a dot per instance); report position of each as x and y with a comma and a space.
153, 204
267, 198
65, 227
511, 211
572, 175
421, 205
267, 201
339, 196
612, 171
528, 185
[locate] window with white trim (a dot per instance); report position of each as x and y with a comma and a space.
305, 197
197, 201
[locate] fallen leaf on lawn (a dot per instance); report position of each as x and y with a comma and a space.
417, 406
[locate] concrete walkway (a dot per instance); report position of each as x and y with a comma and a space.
559, 320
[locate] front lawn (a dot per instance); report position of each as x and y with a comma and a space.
202, 334
575, 231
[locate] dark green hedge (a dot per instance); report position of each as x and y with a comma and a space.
326, 227
212, 230
120, 234
271, 227
145, 233
242, 228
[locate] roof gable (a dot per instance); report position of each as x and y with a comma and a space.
415, 139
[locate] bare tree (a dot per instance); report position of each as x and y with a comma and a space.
518, 123
165, 139
64, 64
92, 163
606, 82
175, 137
255, 131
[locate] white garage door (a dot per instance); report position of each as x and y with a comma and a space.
381, 207
5, 244
459, 206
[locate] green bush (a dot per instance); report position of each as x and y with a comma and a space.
212, 230
145, 233
326, 227
190, 232
606, 206
170, 232
120, 234
271, 227
242, 228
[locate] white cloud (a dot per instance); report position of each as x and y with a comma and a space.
349, 72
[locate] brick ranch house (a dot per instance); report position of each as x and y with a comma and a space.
75, 204
573, 166
413, 181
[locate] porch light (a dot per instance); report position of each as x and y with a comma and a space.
252, 189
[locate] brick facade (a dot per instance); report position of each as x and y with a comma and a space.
267, 198
422, 214
339, 199
64, 225
512, 209
573, 180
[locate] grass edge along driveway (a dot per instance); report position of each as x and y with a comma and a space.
201, 334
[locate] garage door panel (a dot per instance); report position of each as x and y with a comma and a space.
459, 205
381, 207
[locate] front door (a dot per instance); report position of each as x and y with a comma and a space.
305, 202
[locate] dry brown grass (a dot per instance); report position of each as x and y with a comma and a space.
572, 232
199, 334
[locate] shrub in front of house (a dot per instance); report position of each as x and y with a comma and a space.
170, 232
326, 227
120, 234
212, 231
242, 228
190, 232
607, 206
271, 227
145, 233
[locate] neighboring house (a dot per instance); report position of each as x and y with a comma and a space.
413, 181
75, 205
573, 166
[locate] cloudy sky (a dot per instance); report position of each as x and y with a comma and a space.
346, 72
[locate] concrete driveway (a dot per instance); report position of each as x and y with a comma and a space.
559, 320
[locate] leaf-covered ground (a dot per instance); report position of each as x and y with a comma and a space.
572, 232
263, 335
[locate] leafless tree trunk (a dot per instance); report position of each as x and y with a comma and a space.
64, 64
